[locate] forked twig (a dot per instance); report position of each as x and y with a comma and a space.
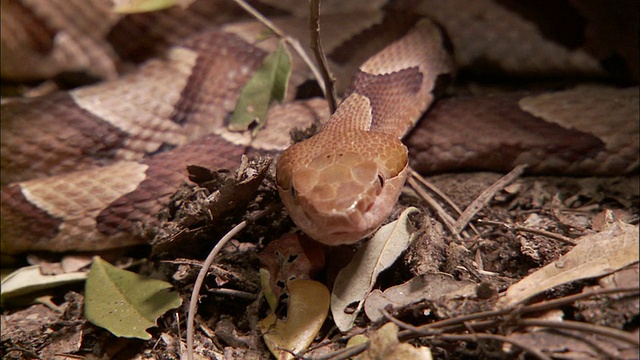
415, 175
294, 43
469, 337
585, 327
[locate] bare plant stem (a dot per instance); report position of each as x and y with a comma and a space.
316, 46
195, 294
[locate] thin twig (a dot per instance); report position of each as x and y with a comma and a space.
543, 306
435, 190
195, 294
316, 46
294, 43
468, 337
548, 234
407, 326
440, 328
234, 293
603, 348
446, 219
552, 304
584, 327
345, 353
565, 324
482, 199
414, 174
333, 341
472, 337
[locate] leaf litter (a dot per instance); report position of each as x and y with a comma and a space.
436, 277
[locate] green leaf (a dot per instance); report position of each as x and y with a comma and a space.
265, 278
139, 6
269, 83
124, 302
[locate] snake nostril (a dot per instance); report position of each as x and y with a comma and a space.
369, 207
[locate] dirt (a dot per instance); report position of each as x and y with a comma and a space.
507, 247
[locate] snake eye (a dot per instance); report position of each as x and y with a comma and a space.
294, 193
380, 184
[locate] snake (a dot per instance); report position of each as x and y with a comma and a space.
342, 183
83, 169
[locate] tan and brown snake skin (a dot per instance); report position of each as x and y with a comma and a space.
81, 170
342, 183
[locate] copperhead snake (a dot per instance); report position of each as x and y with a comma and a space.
82, 169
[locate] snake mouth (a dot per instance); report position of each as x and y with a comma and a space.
340, 233
342, 237
354, 233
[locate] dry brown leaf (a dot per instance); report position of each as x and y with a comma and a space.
287, 258
384, 344
356, 280
42, 321
307, 310
430, 287
595, 255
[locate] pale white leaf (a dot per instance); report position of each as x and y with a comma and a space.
356, 280
30, 279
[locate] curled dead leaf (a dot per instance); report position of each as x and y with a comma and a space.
356, 280
308, 308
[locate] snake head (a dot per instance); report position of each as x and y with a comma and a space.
338, 187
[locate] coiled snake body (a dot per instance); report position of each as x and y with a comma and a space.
82, 169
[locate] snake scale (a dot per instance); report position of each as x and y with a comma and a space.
81, 169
